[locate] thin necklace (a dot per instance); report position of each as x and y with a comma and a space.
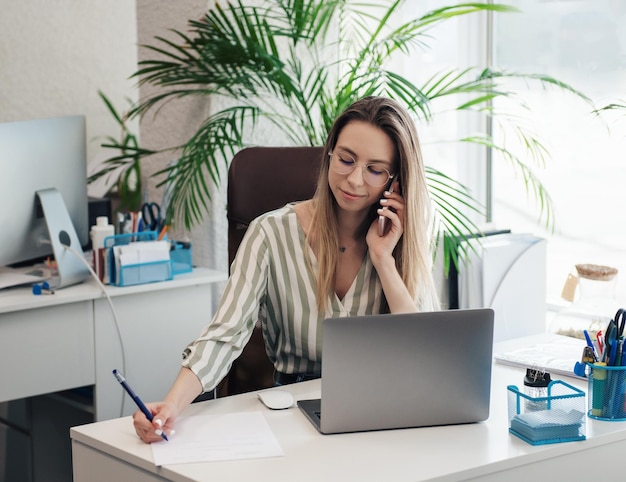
343, 248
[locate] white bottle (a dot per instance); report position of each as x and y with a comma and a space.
98, 233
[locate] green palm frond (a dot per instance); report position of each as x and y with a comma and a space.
532, 183
298, 64
613, 106
620, 105
126, 165
199, 159
452, 225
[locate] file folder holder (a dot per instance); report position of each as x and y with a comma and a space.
133, 274
558, 417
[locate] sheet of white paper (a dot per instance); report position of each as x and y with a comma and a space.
10, 277
556, 355
211, 438
142, 252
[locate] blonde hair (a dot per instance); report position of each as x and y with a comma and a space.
413, 253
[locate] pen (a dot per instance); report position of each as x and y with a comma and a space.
120, 378
600, 340
611, 343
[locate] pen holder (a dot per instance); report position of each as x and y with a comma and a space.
557, 417
607, 392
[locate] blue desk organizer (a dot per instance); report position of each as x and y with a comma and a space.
181, 257
134, 274
558, 417
607, 392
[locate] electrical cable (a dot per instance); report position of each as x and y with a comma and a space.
113, 312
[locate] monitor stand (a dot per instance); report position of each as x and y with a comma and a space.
71, 270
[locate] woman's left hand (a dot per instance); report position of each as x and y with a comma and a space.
393, 210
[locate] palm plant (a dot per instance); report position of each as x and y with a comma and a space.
125, 166
298, 64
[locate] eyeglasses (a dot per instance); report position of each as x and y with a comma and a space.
373, 174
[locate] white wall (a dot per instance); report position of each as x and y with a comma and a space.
55, 56
174, 123
177, 120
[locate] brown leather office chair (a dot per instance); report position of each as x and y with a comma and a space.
261, 179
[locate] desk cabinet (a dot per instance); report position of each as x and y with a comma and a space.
70, 339
46, 349
59, 342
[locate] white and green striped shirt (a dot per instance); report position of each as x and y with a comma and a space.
271, 282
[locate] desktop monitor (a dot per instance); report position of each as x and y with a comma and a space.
44, 156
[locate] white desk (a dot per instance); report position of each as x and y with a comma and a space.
50, 343
484, 451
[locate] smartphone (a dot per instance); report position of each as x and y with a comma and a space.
382, 220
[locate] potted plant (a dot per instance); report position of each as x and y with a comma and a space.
271, 62
125, 165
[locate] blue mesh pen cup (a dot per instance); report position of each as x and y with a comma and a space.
607, 392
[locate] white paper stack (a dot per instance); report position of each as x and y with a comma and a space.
141, 262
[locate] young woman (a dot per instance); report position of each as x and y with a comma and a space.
329, 256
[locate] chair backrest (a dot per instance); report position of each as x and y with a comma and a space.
261, 179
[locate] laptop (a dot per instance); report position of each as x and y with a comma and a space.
394, 371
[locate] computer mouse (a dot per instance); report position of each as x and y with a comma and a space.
276, 399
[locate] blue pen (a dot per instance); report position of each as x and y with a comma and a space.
120, 378
619, 351
612, 343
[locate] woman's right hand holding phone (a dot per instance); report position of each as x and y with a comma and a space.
387, 203
392, 212
383, 220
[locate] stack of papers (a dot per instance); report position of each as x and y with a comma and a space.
141, 252
555, 354
139, 262
10, 277
548, 424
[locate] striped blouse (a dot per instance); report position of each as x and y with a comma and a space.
272, 283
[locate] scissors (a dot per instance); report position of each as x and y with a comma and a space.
610, 341
620, 313
151, 216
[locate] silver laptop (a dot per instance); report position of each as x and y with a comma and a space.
406, 370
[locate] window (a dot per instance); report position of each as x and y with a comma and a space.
584, 44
